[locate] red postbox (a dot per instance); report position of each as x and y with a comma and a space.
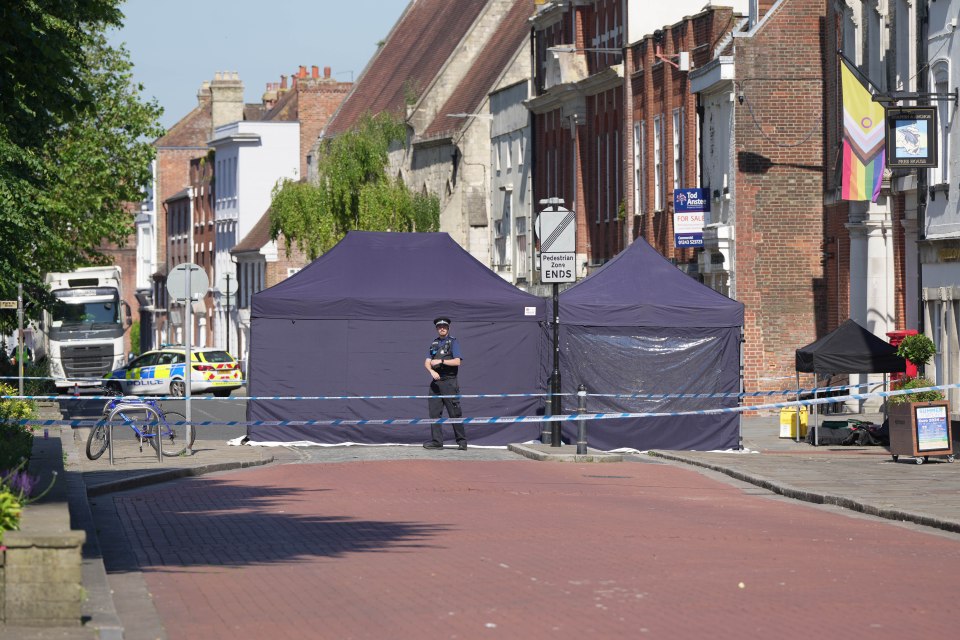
896, 337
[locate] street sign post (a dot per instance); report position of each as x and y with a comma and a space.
187, 282
223, 285
18, 306
556, 229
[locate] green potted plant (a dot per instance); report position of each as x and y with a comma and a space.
921, 396
918, 349
901, 409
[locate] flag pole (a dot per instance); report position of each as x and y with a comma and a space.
856, 71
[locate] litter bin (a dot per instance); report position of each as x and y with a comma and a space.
788, 422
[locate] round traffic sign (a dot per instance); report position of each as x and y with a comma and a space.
187, 280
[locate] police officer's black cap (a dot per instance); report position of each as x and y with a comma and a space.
441, 320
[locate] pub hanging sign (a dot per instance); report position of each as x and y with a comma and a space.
911, 137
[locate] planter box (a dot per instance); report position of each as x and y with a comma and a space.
41, 567
920, 429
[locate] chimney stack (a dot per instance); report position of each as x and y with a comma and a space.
226, 92
303, 72
326, 72
315, 71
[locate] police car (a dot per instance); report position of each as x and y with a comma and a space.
161, 372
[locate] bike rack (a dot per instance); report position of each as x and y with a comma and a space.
137, 406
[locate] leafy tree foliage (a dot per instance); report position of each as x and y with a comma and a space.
353, 192
43, 61
74, 140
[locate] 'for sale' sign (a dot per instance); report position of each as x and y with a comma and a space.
689, 207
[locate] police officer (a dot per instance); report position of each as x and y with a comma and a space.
443, 363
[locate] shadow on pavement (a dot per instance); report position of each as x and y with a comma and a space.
203, 522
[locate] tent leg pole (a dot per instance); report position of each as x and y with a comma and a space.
743, 388
884, 399
798, 406
816, 412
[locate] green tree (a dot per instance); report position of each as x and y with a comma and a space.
72, 151
135, 338
353, 192
43, 63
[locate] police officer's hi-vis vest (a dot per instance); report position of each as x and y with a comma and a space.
442, 348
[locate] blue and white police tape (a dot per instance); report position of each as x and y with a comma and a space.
513, 419
632, 396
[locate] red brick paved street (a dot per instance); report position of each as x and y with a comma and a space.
458, 549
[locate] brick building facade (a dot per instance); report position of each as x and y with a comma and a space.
578, 121
779, 149
665, 126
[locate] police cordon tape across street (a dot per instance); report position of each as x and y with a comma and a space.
496, 419
634, 396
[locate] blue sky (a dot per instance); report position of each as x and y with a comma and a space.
176, 45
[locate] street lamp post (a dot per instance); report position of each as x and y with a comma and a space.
228, 312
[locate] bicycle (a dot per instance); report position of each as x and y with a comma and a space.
154, 425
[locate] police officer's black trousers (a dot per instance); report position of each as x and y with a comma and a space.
446, 387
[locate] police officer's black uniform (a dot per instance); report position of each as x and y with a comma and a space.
445, 348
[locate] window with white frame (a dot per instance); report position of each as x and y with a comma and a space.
678, 148
696, 142
606, 182
598, 179
509, 153
616, 171
849, 31
903, 24
642, 178
637, 207
219, 172
522, 247
657, 163
520, 142
502, 234
496, 159
557, 157
941, 82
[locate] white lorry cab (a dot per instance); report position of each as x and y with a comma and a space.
83, 330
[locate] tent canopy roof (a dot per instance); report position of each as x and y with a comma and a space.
397, 276
849, 349
641, 288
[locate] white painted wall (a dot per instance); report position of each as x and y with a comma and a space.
511, 185
943, 209
250, 159
645, 17
146, 227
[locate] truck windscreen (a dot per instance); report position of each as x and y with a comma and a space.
85, 307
